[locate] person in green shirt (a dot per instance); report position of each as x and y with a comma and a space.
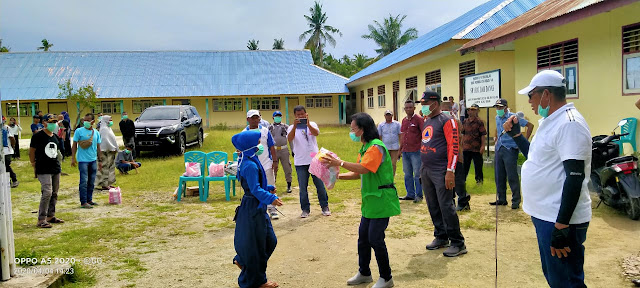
379, 198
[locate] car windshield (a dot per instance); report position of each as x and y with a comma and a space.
160, 114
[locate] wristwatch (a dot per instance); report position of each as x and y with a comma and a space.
342, 164
451, 170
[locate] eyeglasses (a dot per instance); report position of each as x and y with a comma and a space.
534, 91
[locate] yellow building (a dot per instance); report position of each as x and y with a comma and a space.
433, 62
594, 44
222, 85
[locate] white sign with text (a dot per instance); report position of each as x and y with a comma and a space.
482, 89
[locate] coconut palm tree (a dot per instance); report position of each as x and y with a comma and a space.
45, 45
253, 44
361, 61
389, 36
278, 44
319, 33
3, 48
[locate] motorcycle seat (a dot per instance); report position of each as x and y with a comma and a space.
621, 159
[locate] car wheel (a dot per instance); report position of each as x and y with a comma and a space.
200, 139
181, 144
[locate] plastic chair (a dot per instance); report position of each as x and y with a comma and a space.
232, 178
216, 157
194, 157
629, 127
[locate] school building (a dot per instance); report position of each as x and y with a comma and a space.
222, 85
433, 62
594, 44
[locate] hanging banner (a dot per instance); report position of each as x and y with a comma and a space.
482, 89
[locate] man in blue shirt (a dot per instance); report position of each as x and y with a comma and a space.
506, 157
86, 149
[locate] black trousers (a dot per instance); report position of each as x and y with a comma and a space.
371, 235
461, 186
7, 166
440, 203
476, 157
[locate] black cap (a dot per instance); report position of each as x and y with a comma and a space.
501, 102
430, 95
474, 106
48, 117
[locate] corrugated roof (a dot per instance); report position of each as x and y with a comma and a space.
35, 75
544, 13
472, 24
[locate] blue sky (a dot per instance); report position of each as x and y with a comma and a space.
87, 25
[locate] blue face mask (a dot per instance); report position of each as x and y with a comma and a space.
353, 137
500, 112
277, 119
426, 110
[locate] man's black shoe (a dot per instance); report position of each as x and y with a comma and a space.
498, 203
417, 200
406, 198
437, 244
466, 207
514, 207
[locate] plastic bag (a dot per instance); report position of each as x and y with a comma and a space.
231, 168
216, 170
193, 169
115, 196
328, 175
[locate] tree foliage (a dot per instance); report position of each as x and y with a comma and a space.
319, 32
85, 96
346, 66
389, 36
45, 45
278, 44
3, 48
253, 44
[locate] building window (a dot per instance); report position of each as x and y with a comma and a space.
631, 59
370, 98
180, 102
319, 102
140, 105
562, 57
25, 109
381, 98
227, 104
271, 103
433, 81
412, 89
104, 107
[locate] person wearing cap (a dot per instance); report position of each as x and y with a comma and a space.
439, 155
7, 149
410, 148
473, 143
506, 157
86, 159
43, 154
279, 133
389, 132
36, 126
554, 182
267, 158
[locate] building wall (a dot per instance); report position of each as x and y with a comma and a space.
601, 100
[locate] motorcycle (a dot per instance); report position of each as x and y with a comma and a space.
614, 177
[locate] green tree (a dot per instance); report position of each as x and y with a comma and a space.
278, 44
3, 48
85, 96
253, 44
389, 36
45, 45
319, 32
361, 61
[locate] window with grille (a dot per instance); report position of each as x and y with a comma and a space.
110, 107
270, 103
140, 105
631, 59
227, 104
412, 82
370, 98
433, 81
25, 109
467, 68
562, 57
319, 102
412, 88
381, 97
396, 85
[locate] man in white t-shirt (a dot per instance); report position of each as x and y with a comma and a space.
302, 134
554, 182
253, 118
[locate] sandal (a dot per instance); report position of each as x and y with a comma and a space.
55, 220
44, 225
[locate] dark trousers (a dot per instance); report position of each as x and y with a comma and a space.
7, 166
440, 203
476, 157
566, 271
461, 186
254, 242
16, 148
371, 235
506, 165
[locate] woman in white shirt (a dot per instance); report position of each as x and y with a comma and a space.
15, 129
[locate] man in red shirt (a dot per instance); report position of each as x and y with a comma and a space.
410, 148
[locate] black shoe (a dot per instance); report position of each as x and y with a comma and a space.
437, 244
417, 200
454, 251
406, 198
514, 207
465, 207
501, 203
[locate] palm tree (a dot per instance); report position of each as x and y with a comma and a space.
361, 61
278, 44
253, 44
3, 48
45, 45
319, 33
389, 35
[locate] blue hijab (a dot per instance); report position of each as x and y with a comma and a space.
246, 141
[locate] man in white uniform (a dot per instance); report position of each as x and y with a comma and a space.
253, 118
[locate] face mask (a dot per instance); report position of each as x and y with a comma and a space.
426, 110
353, 136
500, 112
255, 129
126, 151
87, 124
260, 149
100, 119
277, 119
52, 126
125, 117
448, 113
110, 123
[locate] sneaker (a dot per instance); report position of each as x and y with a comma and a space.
465, 207
92, 203
454, 251
289, 190
14, 184
86, 206
437, 244
383, 283
359, 279
406, 198
304, 214
326, 211
417, 200
501, 203
274, 215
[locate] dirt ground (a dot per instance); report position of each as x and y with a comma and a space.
321, 251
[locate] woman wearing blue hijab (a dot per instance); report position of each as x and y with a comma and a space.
254, 238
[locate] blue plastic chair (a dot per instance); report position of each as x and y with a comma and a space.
216, 157
194, 157
232, 178
629, 127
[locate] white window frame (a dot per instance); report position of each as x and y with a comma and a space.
221, 104
382, 100
625, 79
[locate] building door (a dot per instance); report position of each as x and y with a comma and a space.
293, 102
351, 105
395, 105
180, 102
56, 107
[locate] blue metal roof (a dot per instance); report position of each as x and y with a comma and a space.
478, 21
35, 75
